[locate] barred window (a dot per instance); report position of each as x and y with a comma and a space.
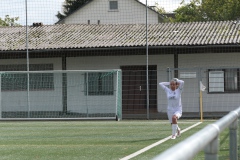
99, 83
18, 81
113, 5
224, 80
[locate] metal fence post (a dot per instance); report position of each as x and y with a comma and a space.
206, 139
233, 140
211, 151
238, 130
169, 74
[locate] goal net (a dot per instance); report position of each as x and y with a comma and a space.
61, 94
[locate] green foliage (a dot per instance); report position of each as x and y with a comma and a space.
188, 12
8, 21
69, 7
208, 10
159, 9
221, 9
162, 11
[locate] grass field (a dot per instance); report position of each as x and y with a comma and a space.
91, 140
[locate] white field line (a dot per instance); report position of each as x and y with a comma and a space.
156, 144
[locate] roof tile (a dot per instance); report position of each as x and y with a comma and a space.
120, 35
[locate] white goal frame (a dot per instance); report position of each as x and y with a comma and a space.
69, 89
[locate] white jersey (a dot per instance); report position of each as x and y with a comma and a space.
173, 97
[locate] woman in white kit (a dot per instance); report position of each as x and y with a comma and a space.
174, 108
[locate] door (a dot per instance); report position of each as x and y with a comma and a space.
134, 89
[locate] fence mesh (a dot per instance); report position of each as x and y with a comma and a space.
150, 41
61, 94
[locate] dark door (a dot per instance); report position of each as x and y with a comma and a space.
134, 89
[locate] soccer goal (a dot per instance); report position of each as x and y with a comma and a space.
72, 94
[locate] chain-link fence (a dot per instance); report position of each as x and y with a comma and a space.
143, 38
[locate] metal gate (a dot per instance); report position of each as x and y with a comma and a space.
221, 94
191, 92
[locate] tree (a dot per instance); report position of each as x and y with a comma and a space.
69, 7
188, 12
208, 10
159, 8
163, 12
8, 21
219, 10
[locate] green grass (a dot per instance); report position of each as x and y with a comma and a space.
90, 140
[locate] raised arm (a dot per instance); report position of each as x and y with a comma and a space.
181, 83
164, 84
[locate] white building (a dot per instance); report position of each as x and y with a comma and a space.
193, 52
113, 12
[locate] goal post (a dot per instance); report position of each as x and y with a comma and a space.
70, 94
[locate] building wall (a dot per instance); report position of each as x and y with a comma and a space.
78, 103
129, 12
200, 63
47, 100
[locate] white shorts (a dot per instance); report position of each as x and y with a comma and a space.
170, 115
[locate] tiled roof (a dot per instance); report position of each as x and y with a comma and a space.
120, 35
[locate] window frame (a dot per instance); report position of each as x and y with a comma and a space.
113, 9
12, 85
225, 82
98, 89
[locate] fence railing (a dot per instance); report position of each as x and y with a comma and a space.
206, 139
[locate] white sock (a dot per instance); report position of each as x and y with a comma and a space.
174, 129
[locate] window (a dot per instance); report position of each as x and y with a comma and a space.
224, 80
18, 81
188, 74
231, 80
113, 5
98, 83
216, 81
